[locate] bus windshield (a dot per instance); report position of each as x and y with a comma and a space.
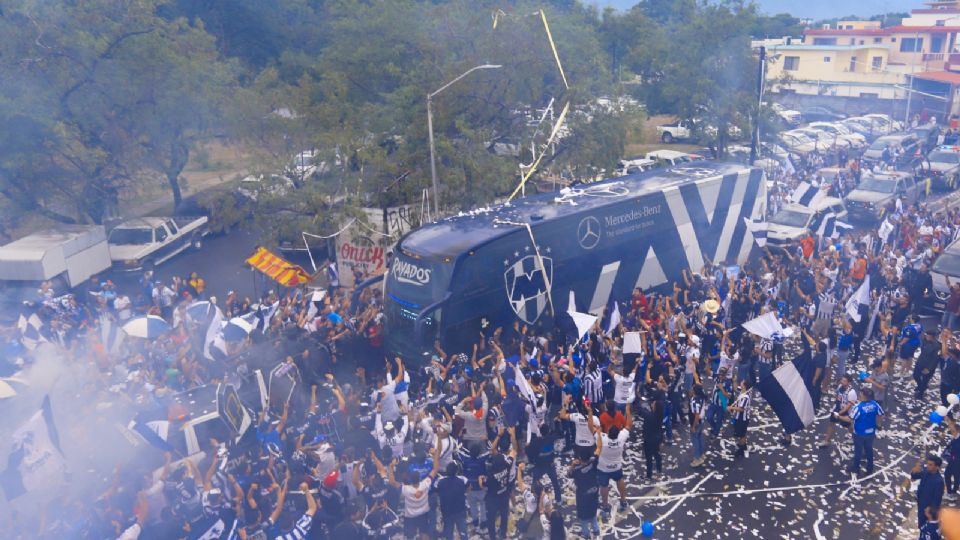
413, 285
417, 283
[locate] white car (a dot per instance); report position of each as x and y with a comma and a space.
253, 185
789, 116
840, 131
797, 143
671, 157
893, 125
868, 127
825, 142
946, 267
634, 165
793, 221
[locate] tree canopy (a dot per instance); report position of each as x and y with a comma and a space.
99, 97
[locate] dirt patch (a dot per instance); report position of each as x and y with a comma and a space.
211, 165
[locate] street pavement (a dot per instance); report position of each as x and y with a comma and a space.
800, 491
220, 262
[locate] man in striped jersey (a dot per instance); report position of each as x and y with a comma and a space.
593, 385
741, 416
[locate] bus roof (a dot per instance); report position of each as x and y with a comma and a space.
447, 238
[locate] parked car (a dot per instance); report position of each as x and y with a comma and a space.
634, 165
797, 143
820, 114
842, 132
876, 192
789, 117
868, 127
253, 186
793, 221
944, 272
141, 244
928, 135
886, 119
942, 167
683, 130
906, 142
671, 157
825, 142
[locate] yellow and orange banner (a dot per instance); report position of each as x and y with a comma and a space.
278, 269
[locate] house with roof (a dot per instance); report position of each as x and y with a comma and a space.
858, 65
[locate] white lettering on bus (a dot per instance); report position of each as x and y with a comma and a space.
406, 272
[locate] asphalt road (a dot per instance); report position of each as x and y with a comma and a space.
220, 262
800, 491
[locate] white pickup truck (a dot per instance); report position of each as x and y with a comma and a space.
143, 243
683, 130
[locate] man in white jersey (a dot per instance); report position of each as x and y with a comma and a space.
610, 464
583, 420
624, 391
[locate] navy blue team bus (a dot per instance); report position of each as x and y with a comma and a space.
519, 261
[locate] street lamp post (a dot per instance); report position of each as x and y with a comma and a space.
433, 161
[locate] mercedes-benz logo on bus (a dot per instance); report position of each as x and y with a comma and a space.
588, 232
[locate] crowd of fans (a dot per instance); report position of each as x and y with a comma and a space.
479, 441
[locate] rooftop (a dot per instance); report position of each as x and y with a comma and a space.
452, 236
824, 47
939, 76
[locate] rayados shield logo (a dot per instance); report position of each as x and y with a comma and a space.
527, 287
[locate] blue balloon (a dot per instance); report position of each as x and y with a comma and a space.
935, 418
647, 528
864, 375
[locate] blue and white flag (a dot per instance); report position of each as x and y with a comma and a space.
30, 335
268, 316
154, 427
789, 391
758, 229
807, 195
110, 335
213, 331
35, 460
831, 227
861, 296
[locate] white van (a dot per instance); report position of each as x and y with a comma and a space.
793, 221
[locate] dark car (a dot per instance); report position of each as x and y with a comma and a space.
820, 114
928, 136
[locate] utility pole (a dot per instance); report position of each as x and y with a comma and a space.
755, 139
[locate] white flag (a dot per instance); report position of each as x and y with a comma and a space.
584, 322
862, 296
765, 326
631, 343
614, 318
216, 325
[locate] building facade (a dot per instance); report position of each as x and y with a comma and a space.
913, 65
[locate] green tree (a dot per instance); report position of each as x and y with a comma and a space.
109, 90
